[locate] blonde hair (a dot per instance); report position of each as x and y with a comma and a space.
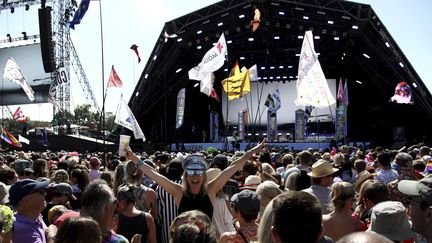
341, 192
267, 168
264, 236
186, 187
268, 189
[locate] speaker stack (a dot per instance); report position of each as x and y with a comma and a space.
47, 45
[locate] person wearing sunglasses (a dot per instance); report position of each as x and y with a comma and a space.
195, 192
420, 197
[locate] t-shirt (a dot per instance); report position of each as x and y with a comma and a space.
323, 195
28, 230
115, 238
249, 232
386, 175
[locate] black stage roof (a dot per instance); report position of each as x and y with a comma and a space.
353, 44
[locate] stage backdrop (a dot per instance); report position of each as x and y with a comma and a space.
29, 59
286, 114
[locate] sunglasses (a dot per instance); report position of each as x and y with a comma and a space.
195, 172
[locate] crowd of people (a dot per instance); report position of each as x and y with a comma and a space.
345, 194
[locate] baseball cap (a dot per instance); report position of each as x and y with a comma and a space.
421, 188
246, 202
65, 189
22, 188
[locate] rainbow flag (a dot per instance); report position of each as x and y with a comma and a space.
9, 138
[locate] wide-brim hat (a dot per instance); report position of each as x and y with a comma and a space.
322, 168
251, 183
362, 177
212, 173
421, 188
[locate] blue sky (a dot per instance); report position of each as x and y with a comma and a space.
140, 22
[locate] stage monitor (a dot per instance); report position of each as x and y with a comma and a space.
286, 114
29, 59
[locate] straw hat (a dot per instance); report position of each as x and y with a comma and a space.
212, 173
322, 168
251, 182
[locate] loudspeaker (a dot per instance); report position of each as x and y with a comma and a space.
47, 45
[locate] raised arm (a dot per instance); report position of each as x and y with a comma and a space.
172, 188
218, 183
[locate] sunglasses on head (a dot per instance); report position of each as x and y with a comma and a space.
194, 172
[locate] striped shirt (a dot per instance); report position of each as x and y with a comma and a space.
167, 209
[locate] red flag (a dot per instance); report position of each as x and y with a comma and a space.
114, 80
19, 116
214, 95
135, 49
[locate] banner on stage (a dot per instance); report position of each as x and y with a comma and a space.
61, 77
181, 97
341, 123
272, 126
299, 135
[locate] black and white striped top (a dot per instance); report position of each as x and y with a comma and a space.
167, 209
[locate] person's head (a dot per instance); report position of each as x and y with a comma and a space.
251, 183
389, 219
60, 176
249, 168
131, 174
28, 196
403, 159
424, 150
342, 196
63, 193
360, 165
194, 175
265, 224
125, 197
94, 163
298, 181
174, 169
246, 205
220, 161
106, 176
384, 159
98, 202
79, 177
364, 237
266, 191
287, 159
55, 212
8, 176
296, 217
78, 230
207, 232
40, 168
373, 192
304, 157
420, 198
322, 173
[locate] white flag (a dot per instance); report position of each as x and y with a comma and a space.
312, 87
212, 61
253, 73
23, 139
206, 84
14, 74
125, 117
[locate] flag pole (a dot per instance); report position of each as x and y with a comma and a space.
103, 82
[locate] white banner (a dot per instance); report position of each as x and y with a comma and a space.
125, 117
312, 87
61, 76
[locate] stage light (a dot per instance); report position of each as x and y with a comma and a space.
199, 47
300, 37
178, 70
25, 35
321, 12
359, 82
265, 78
285, 77
220, 24
317, 37
289, 66
355, 27
226, 70
387, 44
199, 32
262, 68
146, 76
242, 58
272, 67
196, 85
281, 13
366, 55
401, 64
271, 78
346, 17
336, 38
12, 10
414, 85
155, 57
330, 22
179, 39
281, 67
305, 17
241, 16
299, 9
276, 37
27, 7
250, 39
229, 42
